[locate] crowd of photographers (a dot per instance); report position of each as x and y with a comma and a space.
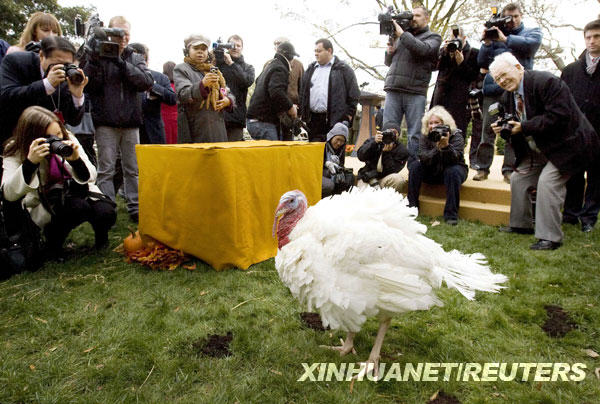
106, 95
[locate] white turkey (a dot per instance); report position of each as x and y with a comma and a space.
362, 254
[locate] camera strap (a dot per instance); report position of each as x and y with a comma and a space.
57, 110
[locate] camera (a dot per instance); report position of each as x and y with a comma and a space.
496, 21
58, 146
403, 18
33, 46
475, 99
74, 75
496, 110
96, 42
437, 132
219, 49
455, 43
343, 179
388, 136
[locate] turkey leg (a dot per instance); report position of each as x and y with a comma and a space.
373, 362
347, 345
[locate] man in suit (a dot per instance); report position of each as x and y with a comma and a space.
27, 79
552, 140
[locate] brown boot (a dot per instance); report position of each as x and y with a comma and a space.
481, 175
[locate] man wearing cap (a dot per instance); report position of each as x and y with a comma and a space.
270, 98
116, 89
296, 72
335, 179
329, 92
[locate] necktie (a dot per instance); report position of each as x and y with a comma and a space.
520, 108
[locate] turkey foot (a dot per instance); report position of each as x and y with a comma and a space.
372, 364
347, 346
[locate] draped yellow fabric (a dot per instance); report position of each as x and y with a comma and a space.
216, 201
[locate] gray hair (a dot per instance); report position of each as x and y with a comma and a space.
441, 113
503, 60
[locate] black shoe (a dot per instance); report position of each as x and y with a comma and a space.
134, 217
451, 222
545, 245
518, 230
587, 227
570, 220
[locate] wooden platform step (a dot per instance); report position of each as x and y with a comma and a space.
489, 213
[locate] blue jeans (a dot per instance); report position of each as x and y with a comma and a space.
262, 130
412, 106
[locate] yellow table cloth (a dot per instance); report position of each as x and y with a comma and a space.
217, 201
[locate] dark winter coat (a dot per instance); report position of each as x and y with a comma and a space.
153, 127
342, 95
434, 160
411, 64
392, 161
270, 93
560, 130
116, 89
21, 86
239, 76
585, 89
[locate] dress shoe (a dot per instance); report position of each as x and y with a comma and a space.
451, 222
545, 245
587, 227
570, 220
517, 230
481, 175
507, 177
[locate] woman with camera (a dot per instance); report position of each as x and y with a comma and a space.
48, 171
201, 94
39, 26
440, 161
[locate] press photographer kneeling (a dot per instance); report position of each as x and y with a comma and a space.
336, 178
385, 157
49, 173
440, 161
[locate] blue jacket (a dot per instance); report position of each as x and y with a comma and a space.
522, 42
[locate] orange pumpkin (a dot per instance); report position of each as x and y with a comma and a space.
133, 242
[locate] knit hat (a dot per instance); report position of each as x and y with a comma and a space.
338, 129
392, 125
196, 39
287, 50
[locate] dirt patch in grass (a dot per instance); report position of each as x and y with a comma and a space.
559, 323
443, 398
214, 345
312, 320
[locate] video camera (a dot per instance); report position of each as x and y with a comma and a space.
496, 110
497, 20
96, 38
437, 132
403, 18
455, 43
219, 49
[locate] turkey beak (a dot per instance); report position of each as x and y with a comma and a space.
280, 211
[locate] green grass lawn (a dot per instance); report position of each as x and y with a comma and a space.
98, 330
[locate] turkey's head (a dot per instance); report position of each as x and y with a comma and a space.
290, 210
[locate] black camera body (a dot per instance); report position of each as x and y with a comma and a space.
33, 46
496, 110
388, 136
475, 100
454, 45
96, 41
219, 48
59, 147
74, 75
496, 20
437, 132
403, 18
343, 179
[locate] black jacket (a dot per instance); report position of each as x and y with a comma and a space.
153, 128
434, 160
270, 94
342, 95
585, 89
116, 89
239, 76
558, 127
21, 86
392, 161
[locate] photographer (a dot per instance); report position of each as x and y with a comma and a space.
239, 76
458, 69
523, 43
27, 79
202, 95
441, 161
411, 56
552, 140
336, 178
117, 85
45, 166
385, 157
39, 26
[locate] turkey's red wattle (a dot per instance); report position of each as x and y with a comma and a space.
287, 223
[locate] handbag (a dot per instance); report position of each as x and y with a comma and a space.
86, 126
20, 239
